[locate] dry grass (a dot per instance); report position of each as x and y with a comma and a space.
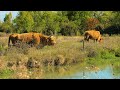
67, 51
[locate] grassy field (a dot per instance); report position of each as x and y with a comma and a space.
24, 62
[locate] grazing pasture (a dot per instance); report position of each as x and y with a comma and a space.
31, 62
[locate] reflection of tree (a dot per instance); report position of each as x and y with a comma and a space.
62, 71
116, 69
71, 70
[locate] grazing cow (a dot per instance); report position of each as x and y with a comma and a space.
32, 38
25, 38
43, 39
92, 34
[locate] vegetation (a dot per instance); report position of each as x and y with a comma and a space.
68, 27
67, 23
34, 62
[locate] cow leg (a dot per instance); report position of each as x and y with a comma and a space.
95, 40
86, 38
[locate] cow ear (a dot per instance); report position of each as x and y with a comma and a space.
51, 36
17, 36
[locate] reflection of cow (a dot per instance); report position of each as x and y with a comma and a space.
92, 34
32, 38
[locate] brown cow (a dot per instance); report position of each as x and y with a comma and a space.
92, 34
24, 37
43, 39
32, 38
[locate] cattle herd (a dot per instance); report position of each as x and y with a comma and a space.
34, 39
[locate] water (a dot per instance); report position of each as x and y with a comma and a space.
86, 72
106, 73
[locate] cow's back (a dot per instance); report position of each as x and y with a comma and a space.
26, 37
93, 34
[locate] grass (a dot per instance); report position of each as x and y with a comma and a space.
68, 52
6, 73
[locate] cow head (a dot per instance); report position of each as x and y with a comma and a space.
101, 39
51, 40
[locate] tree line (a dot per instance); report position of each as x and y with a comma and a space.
67, 23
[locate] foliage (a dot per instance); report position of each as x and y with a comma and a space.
7, 24
24, 22
91, 23
67, 52
117, 52
62, 22
68, 28
6, 73
107, 55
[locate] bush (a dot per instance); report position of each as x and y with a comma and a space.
2, 50
105, 54
117, 52
6, 73
92, 53
33, 63
2, 34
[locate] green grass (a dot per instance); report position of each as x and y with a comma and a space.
6, 73
66, 53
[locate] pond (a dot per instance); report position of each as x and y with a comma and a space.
106, 71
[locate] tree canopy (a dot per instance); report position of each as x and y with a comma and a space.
67, 23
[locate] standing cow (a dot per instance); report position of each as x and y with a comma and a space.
92, 34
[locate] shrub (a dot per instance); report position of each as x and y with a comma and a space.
117, 52
6, 73
2, 34
93, 53
105, 54
2, 50
33, 63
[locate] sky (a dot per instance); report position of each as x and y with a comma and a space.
3, 13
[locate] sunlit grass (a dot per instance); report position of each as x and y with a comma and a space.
65, 58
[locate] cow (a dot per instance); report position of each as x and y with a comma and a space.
92, 34
31, 38
43, 39
24, 38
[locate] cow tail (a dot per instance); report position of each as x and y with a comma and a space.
86, 36
9, 40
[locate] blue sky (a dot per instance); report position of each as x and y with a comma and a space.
3, 13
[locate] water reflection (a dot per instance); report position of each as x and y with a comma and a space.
116, 70
80, 71
101, 74
105, 73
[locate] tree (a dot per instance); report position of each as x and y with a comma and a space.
79, 18
0, 26
116, 18
92, 23
7, 24
68, 28
64, 22
51, 21
114, 24
38, 24
24, 22
105, 17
